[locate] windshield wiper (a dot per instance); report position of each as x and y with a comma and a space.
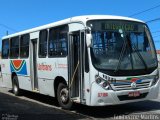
140, 56
126, 43
137, 51
121, 56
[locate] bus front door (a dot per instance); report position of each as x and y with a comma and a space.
76, 65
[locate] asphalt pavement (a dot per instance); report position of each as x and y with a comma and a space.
40, 107
23, 108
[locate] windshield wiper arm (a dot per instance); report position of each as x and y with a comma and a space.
140, 56
121, 55
126, 43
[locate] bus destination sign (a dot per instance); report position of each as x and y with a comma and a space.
118, 26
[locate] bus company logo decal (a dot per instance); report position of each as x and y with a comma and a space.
44, 67
18, 66
135, 80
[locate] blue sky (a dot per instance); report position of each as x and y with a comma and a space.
25, 14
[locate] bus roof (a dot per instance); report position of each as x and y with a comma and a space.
82, 19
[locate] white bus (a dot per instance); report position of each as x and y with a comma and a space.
95, 60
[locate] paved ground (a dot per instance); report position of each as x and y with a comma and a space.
40, 107
25, 108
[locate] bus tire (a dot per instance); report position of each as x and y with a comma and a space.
15, 88
63, 97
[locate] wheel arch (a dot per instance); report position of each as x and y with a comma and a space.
12, 75
57, 81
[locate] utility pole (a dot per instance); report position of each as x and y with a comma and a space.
7, 33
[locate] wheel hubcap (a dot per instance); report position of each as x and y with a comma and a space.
64, 95
15, 88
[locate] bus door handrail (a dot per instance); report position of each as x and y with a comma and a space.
74, 75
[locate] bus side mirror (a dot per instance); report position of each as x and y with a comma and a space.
88, 40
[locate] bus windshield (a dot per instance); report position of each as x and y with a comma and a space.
122, 47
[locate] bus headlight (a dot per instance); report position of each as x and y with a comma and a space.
98, 80
103, 83
156, 78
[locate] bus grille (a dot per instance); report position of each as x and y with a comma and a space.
127, 86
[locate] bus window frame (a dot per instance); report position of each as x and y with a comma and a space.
22, 57
47, 37
8, 55
58, 28
14, 57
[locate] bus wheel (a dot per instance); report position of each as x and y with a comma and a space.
63, 97
15, 88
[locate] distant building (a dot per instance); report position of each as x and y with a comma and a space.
158, 56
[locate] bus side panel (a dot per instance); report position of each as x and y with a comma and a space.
23, 73
46, 86
48, 70
6, 73
25, 83
91, 77
62, 68
46, 73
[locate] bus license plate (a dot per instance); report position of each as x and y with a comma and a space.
134, 94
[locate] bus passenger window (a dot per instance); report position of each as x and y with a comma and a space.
5, 49
52, 51
24, 46
57, 46
43, 43
14, 47
63, 44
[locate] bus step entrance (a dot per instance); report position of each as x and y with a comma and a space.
35, 90
75, 99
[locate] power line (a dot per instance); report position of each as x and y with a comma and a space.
156, 36
5, 26
157, 19
157, 41
144, 11
156, 32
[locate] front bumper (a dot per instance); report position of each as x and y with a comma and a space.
102, 97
